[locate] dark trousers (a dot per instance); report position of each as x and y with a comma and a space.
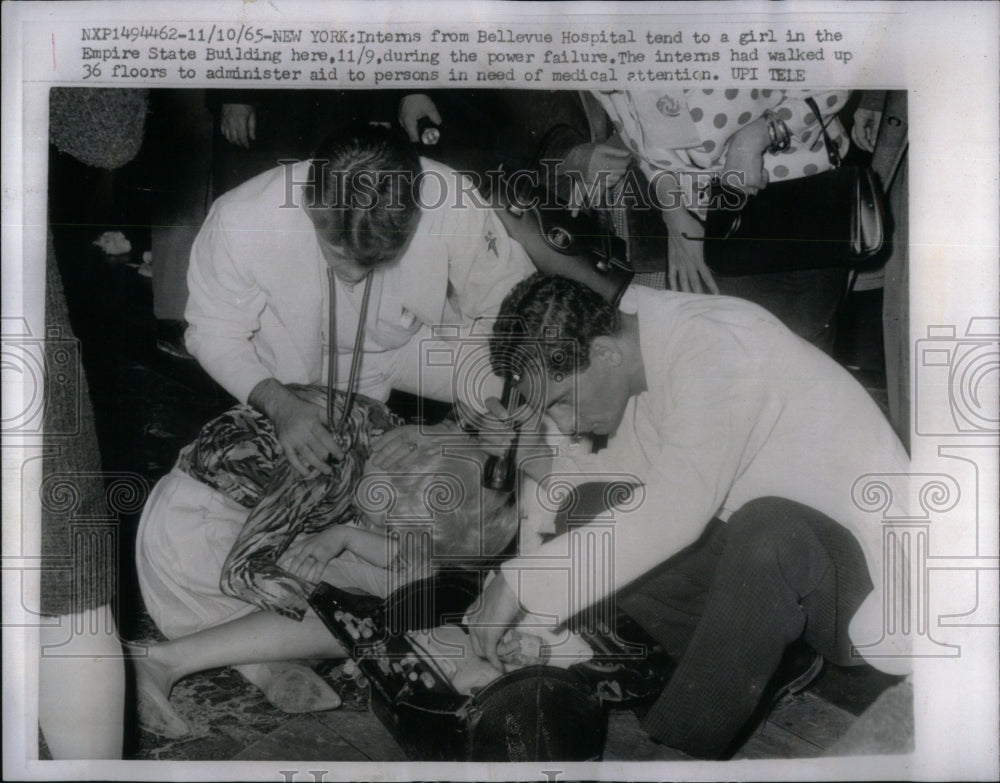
807, 301
727, 607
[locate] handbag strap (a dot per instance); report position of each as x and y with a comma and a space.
832, 153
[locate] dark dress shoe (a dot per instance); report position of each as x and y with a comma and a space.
170, 338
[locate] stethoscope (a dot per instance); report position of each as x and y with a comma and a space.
331, 369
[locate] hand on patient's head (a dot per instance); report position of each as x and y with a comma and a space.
409, 446
442, 494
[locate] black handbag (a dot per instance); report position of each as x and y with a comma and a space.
832, 219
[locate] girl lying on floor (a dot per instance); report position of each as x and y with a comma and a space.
233, 540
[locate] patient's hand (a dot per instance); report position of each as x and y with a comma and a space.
308, 554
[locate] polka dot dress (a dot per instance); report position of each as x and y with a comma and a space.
689, 130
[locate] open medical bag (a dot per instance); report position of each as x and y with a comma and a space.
536, 713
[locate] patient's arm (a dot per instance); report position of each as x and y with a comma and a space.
371, 545
309, 553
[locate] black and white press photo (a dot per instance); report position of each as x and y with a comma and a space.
675, 380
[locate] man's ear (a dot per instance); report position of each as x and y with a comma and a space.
606, 349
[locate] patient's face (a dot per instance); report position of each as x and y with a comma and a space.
443, 498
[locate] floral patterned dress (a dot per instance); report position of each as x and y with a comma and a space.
238, 454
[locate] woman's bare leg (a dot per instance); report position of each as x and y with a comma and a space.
257, 638
81, 688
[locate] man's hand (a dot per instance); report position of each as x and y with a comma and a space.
495, 430
238, 123
414, 108
300, 426
497, 611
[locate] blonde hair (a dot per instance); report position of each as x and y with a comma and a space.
442, 507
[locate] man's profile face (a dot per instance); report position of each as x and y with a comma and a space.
588, 402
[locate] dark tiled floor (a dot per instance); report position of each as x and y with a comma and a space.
149, 405
231, 720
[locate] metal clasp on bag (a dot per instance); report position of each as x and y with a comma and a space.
734, 224
730, 232
728, 235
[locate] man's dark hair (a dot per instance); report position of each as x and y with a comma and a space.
361, 190
550, 320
